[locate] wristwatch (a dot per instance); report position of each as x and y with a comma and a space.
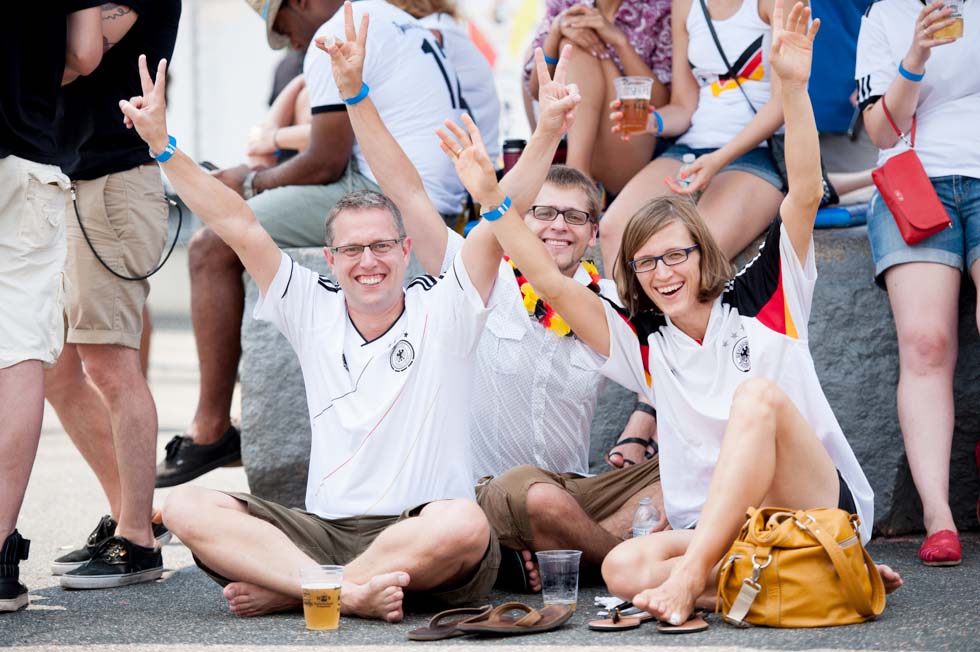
248, 185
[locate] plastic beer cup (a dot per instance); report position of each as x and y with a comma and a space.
321, 596
956, 29
559, 576
634, 96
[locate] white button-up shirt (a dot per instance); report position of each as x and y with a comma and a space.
534, 392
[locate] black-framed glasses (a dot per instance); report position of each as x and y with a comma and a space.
572, 216
379, 248
671, 258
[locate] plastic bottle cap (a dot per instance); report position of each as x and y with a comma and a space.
688, 158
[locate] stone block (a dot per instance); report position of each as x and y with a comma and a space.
852, 337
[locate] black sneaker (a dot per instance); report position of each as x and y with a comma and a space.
13, 593
117, 562
105, 529
186, 460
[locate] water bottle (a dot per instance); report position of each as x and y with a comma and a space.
687, 160
645, 518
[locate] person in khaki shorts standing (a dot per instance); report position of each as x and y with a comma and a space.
118, 223
34, 45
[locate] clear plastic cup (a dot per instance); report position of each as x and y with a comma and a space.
321, 596
634, 95
559, 576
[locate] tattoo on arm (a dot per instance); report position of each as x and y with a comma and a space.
113, 10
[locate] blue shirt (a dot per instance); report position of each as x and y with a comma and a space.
834, 53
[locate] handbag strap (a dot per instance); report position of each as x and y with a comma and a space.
724, 57
911, 140
855, 596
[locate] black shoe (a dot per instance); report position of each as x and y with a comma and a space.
13, 593
117, 562
186, 460
105, 529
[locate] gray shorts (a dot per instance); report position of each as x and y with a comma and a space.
294, 215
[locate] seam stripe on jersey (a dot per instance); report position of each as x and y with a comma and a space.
641, 340
329, 108
327, 284
775, 314
288, 280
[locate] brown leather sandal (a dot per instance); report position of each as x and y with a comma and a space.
500, 622
444, 624
617, 622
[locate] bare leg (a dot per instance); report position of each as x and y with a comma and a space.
924, 299
217, 304
647, 184
145, 338
737, 206
22, 395
116, 372
558, 523
267, 564
85, 417
769, 456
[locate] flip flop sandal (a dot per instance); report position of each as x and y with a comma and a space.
499, 621
696, 623
618, 622
627, 440
444, 624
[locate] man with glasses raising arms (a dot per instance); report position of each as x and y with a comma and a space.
390, 489
535, 384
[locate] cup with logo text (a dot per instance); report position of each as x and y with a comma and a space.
634, 96
956, 29
321, 596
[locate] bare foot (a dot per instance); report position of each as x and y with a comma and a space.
381, 598
533, 575
672, 601
891, 579
246, 599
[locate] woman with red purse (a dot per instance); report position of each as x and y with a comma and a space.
919, 89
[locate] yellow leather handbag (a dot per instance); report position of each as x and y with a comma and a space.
803, 568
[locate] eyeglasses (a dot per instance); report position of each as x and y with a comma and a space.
671, 258
550, 214
379, 248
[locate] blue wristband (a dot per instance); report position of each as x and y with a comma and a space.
660, 123
550, 60
911, 76
167, 152
498, 212
361, 94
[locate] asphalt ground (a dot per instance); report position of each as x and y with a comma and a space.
937, 609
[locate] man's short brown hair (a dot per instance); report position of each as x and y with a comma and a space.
566, 177
362, 200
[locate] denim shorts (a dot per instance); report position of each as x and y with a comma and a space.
961, 198
756, 161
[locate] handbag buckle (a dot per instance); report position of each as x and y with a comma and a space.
757, 570
802, 526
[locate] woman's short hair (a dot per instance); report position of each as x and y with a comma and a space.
423, 8
566, 177
653, 217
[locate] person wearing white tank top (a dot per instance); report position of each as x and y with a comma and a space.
732, 178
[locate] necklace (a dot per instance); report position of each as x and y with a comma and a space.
541, 311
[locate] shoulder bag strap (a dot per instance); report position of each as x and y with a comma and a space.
911, 140
855, 596
724, 57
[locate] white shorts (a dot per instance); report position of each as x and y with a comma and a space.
32, 261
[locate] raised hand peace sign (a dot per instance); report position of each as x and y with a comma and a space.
347, 56
557, 100
148, 112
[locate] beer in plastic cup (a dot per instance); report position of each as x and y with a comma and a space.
634, 95
559, 576
321, 596
956, 29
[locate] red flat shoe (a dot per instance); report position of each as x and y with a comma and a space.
941, 549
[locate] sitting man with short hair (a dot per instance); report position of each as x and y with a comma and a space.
390, 491
536, 385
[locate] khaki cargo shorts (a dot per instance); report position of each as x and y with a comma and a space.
125, 215
341, 540
504, 499
32, 261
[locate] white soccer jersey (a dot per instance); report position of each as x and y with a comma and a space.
757, 329
947, 137
413, 85
475, 78
389, 417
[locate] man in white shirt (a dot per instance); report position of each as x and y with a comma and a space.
535, 384
415, 88
390, 492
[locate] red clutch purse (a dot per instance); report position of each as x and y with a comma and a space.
908, 192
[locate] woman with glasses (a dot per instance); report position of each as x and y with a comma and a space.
742, 418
